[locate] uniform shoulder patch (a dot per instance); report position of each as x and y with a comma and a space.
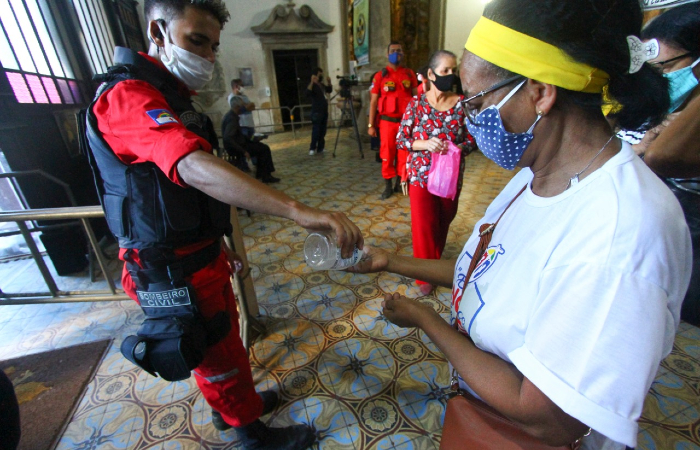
161, 116
191, 118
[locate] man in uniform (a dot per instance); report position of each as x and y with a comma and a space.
166, 198
391, 91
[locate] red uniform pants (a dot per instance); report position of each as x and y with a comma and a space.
393, 161
224, 377
430, 221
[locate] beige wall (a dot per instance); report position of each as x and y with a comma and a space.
460, 18
240, 47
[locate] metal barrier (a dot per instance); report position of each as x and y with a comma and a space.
265, 117
81, 215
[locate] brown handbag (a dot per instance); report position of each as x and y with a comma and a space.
471, 423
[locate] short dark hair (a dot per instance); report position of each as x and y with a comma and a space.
593, 32
393, 43
175, 8
423, 71
317, 70
678, 27
236, 82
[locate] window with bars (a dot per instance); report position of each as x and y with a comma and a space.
35, 55
97, 39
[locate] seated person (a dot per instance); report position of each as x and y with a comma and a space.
241, 105
238, 146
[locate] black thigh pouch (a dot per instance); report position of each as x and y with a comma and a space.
174, 337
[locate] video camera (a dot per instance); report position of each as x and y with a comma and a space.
346, 82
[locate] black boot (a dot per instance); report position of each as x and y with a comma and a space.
388, 190
269, 399
397, 185
258, 436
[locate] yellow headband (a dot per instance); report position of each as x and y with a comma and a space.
532, 58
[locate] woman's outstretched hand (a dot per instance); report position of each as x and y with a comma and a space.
404, 312
373, 260
234, 259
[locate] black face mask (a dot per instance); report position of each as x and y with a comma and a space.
320, 78
444, 83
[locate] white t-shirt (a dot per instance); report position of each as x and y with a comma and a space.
245, 118
582, 291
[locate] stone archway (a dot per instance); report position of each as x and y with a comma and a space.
289, 29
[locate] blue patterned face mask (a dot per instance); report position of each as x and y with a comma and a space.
681, 84
500, 146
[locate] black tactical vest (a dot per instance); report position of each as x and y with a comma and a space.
142, 206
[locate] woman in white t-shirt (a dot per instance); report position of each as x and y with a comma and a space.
576, 299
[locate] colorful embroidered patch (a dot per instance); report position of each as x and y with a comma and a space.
406, 83
161, 116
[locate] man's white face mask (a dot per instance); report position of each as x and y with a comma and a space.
191, 69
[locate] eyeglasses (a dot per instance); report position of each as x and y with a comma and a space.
661, 63
471, 112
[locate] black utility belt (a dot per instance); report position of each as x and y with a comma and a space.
161, 266
198, 260
390, 119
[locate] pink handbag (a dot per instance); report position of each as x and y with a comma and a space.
444, 172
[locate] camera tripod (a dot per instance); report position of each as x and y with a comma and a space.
348, 112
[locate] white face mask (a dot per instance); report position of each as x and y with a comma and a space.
191, 69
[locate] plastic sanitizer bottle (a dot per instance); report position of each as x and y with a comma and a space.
322, 253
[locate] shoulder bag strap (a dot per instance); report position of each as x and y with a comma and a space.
485, 234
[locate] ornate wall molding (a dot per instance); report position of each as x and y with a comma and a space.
284, 19
287, 29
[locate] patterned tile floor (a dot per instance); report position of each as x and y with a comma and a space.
337, 364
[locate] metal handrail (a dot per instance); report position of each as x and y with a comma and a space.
74, 212
55, 295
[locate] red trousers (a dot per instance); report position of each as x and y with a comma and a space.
393, 160
224, 377
430, 221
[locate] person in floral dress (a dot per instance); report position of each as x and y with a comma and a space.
430, 120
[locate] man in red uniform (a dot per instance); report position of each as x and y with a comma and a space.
144, 131
391, 90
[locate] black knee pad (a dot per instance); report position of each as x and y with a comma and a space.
169, 347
